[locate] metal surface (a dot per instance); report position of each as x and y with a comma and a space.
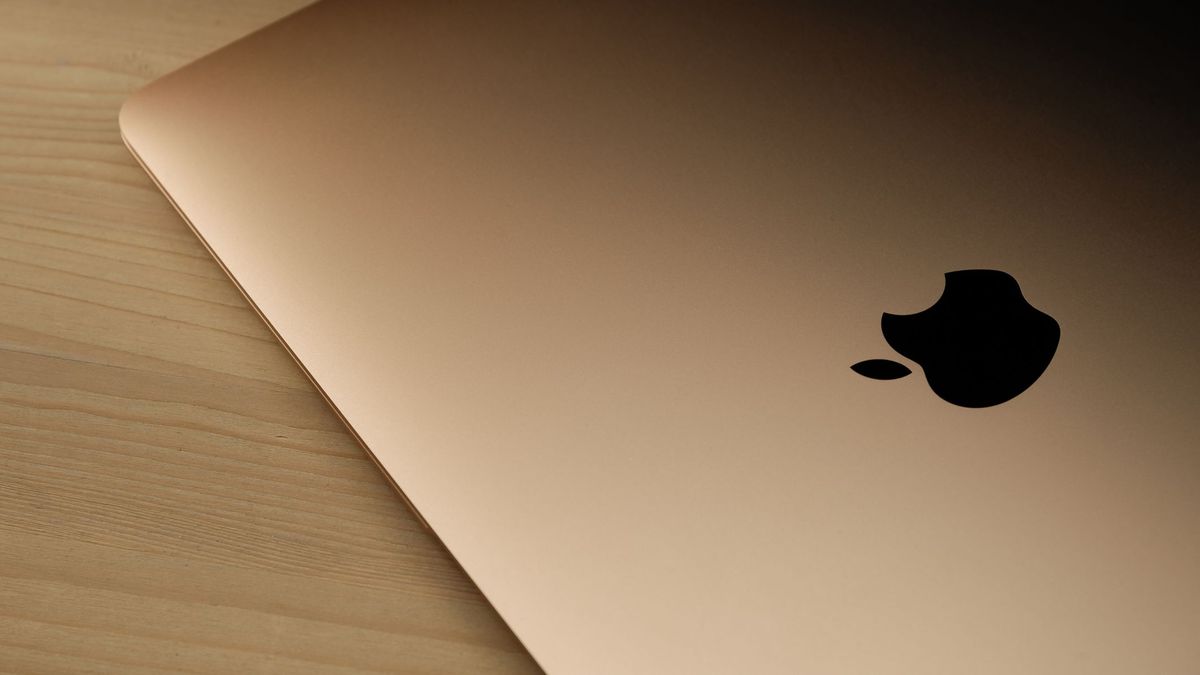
587, 282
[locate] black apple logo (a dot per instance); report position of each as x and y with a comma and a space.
980, 344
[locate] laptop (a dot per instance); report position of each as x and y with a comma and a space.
721, 340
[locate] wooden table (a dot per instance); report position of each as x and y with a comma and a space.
174, 494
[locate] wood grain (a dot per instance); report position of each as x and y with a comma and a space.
174, 495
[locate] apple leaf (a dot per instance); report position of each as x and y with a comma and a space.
881, 369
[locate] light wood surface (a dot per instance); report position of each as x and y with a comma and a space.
174, 494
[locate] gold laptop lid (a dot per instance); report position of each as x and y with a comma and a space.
588, 282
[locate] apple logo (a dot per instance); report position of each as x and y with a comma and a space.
980, 344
